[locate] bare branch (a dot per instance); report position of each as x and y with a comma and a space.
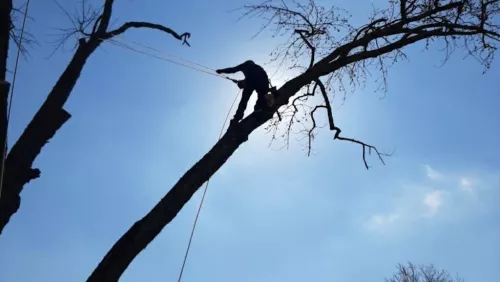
28, 39
310, 133
184, 36
313, 50
103, 20
403, 10
364, 146
327, 103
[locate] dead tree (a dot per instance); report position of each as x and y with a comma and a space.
93, 28
469, 24
423, 273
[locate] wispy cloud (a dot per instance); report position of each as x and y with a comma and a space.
433, 174
433, 201
442, 198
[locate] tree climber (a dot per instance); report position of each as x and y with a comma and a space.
255, 79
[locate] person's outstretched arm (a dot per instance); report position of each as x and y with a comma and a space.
237, 68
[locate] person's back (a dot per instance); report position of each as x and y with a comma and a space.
254, 73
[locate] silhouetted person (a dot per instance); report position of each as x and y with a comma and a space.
255, 79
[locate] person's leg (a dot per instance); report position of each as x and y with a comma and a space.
245, 96
262, 100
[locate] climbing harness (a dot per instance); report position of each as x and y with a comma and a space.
2, 171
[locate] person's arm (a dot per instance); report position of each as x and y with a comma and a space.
237, 68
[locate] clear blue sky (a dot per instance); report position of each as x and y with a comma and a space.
138, 124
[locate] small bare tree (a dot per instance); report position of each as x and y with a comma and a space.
423, 273
91, 27
471, 25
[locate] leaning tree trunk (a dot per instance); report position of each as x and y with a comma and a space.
145, 230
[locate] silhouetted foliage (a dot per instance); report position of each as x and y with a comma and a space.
423, 273
92, 27
332, 62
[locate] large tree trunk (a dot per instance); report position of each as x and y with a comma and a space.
50, 117
145, 230
5, 25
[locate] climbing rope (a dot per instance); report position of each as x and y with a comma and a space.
12, 96
163, 52
211, 72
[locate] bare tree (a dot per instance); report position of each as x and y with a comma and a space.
424, 273
466, 24
92, 27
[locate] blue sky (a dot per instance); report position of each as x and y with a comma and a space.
270, 215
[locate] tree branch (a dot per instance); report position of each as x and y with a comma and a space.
184, 36
311, 47
328, 105
403, 10
104, 19
363, 145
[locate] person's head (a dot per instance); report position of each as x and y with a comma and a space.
250, 62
